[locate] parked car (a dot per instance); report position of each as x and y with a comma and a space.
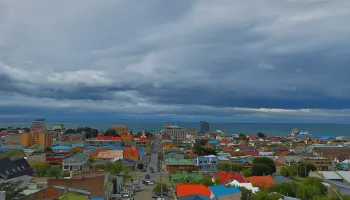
147, 176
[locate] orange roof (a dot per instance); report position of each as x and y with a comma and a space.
190, 189
191, 132
144, 139
261, 181
128, 151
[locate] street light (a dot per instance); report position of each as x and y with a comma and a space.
327, 185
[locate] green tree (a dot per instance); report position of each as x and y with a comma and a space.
287, 189
99, 166
315, 182
247, 172
115, 168
140, 166
55, 171
158, 188
246, 194
264, 195
13, 152
302, 169
48, 149
41, 170
263, 166
307, 192
126, 170
207, 181
11, 189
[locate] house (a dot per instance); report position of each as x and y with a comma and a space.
321, 163
221, 192
75, 162
225, 177
55, 159
247, 186
207, 163
290, 160
327, 175
175, 165
279, 165
110, 155
60, 148
12, 167
192, 189
185, 177
131, 153
36, 159
261, 181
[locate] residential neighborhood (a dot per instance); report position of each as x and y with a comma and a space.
59, 163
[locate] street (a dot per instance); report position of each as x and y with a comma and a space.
146, 191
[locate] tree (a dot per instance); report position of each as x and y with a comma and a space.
246, 194
41, 170
11, 189
261, 135
13, 152
91, 160
48, 149
158, 188
287, 189
207, 181
55, 171
111, 132
264, 195
242, 137
99, 166
263, 165
260, 170
140, 166
309, 167
247, 172
115, 168
126, 170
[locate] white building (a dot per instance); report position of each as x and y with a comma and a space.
75, 162
175, 132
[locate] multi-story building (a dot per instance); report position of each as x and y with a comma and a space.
120, 129
321, 163
174, 132
207, 163
205, 126
38, 126
141, 142
43, 139
103, 141
75, 162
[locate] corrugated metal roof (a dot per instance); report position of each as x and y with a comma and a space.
330, 175
345, 175
220, 190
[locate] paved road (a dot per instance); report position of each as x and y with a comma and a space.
146, 191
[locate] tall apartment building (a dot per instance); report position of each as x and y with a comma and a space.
30, 139
205, 126
174, 132
120, 129
38, 126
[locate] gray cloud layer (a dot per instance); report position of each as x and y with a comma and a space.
190, 58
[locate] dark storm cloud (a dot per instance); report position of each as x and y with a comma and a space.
181, 57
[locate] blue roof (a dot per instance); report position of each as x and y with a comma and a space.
77, 145
59, 147
91, 147
112, 147
213, 142
219, 190
194, 197
97, 198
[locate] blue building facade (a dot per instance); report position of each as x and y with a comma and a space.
207, 163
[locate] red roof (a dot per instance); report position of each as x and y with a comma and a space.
108, 138
224, 177
190, 189
143, 139
128, 151
284, 153
261, 181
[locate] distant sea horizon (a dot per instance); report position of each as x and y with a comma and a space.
270, 129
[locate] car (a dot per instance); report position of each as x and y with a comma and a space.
152, 171
150, 183
147, 176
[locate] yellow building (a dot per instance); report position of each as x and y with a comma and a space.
42, 139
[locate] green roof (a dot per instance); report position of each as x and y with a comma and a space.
184, 176
292, 158
174, 161
72, 196
79, 156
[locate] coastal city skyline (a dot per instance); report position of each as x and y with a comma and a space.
284, 61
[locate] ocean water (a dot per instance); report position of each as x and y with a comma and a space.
272, 129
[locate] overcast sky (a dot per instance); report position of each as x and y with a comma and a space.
184, 60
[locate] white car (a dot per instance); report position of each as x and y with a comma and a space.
150, 183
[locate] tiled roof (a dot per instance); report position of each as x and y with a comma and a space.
261, 181
109, 154
191, 189
224, 177
220, 190
128, 151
